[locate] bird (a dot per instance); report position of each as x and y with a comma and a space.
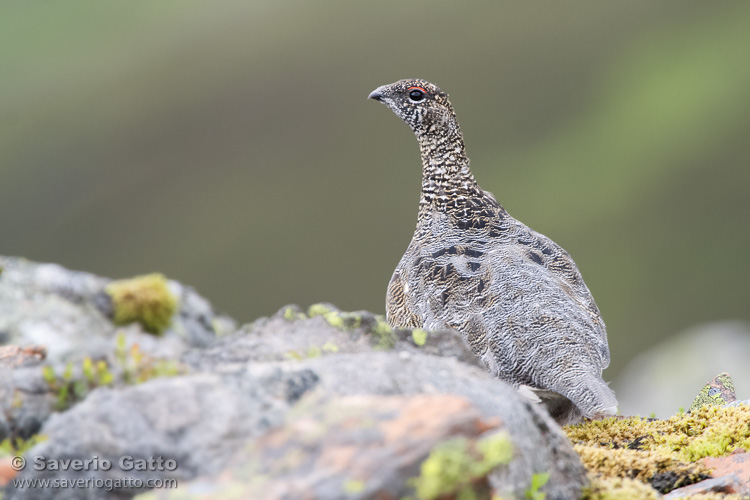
516, 297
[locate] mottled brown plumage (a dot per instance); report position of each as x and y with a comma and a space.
515, 295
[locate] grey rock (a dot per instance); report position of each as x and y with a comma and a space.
539, 443
243, 389
198, 421
14, 356
68, 314
46, 305
365, 447
738, 403
729, 484
25, 399
279, 338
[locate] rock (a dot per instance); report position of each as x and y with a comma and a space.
316, 404
718, 392
47, 305
197, 421
12, 356
729, 485
292, 335
70, 313
736, 463
58, 319
360, 447
23, 404
529, 424
409, 371
256, 396
26, 401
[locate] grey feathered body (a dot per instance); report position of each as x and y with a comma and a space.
515, 295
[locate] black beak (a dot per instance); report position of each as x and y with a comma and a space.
375, 94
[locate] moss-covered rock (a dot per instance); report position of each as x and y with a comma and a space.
384, 337
656, 467
374, 323
143, 299
661, 453
618, 488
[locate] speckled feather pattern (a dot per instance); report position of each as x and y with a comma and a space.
516, 296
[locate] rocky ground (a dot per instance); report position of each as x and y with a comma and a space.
122, 389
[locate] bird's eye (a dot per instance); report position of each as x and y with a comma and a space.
416, 94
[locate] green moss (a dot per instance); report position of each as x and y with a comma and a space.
330, 347
655, 467
17, 446
290, 314
49, 374
221, 327
131, 366
603, 488
333, 317
318, 310
385, 336
70, 388
144, 299
138, 367
312, 352
537, 482
458, 468
709, 432
495, 450
353, 486
662, 453
419, 336
337, 319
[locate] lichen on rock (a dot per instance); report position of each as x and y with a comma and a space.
419, 336
717, 392
457, 467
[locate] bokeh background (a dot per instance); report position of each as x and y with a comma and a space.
229, 145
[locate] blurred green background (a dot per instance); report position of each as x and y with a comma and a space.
229, 144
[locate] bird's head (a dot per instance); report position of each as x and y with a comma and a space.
422, 105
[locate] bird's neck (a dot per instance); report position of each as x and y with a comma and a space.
446, 176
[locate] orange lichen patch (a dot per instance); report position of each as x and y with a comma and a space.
13, 355
7, 472
737, 463
337, 458
414, 420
